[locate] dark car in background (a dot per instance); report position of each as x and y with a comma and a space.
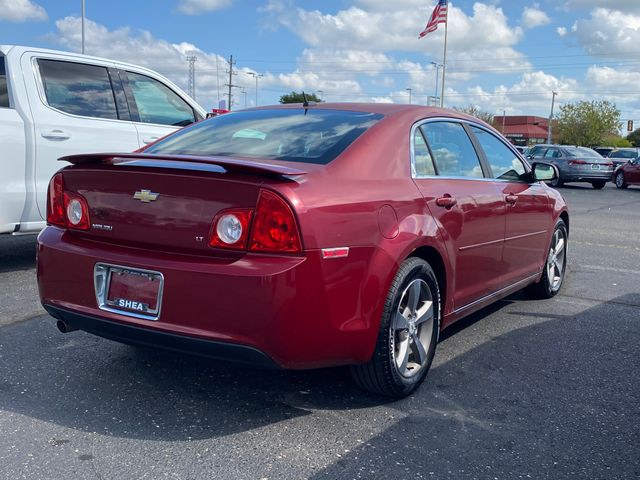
604, 151
620, 156
628, 174
575, 164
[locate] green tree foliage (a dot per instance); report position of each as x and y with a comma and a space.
634, 137
295, 97
588, 123
616, 141
475, 111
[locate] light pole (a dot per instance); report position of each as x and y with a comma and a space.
256, 76
83, 15
321, 92
244, 91
437, 65
553, 100
409, 90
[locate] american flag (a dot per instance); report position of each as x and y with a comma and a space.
439, 15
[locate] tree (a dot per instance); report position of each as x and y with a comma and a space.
475, 111
588, 123
295, 97
634, 137
615, 141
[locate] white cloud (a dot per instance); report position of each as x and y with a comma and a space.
562, 31
21, 11
195, 7
608, 32
627, 6
533, 17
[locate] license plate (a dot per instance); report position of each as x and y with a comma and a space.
129, 291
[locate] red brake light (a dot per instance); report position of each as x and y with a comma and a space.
77, 211
230, 228
274, 227
55, 202
577, 162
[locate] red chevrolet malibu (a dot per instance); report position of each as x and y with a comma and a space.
302, 236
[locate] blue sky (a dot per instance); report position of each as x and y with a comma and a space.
503, 55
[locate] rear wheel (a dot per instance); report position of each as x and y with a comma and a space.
599, 185
555, 266
408, 333
620, 181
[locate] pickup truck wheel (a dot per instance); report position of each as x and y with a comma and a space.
599, 185
555, 265
620, 182
408, 333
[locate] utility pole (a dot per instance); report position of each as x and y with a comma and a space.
83, 15
436, 96
553, 100
244, 91
230, 84
256, 76
191, 82
409, 90
504, 116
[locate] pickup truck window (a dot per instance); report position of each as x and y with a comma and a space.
4, 91
78, 88
157, 103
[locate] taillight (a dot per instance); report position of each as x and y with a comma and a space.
55, 202
66, 209
274, 226
230, 229
577, 162
77, 211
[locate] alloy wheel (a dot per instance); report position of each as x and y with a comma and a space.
411, 328
556, 260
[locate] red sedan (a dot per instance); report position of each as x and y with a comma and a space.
302, 237
627, 174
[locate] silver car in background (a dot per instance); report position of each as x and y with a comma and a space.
575, 164
620, 156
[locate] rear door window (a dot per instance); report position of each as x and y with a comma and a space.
78, 88
4, 90
423, 163
157, 103
453, 152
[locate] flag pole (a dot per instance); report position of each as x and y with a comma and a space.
444, 59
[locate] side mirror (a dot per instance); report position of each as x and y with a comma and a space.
544, 172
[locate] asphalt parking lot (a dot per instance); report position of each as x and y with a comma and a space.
523, 389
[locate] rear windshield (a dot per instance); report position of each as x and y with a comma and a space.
581, 152
294, 135
623, 154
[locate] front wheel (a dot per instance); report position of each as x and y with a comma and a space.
620, 182
555, 266
408, 333
599, 185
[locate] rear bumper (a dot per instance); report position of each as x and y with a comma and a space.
297, 311
596, 176
133, 335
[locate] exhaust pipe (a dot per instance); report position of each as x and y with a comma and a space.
64, 327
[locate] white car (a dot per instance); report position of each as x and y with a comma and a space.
54, 104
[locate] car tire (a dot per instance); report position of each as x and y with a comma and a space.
556, 183
553, 273
620, 181
410, 319
599, 185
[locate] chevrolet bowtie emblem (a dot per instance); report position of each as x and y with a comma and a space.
145, 196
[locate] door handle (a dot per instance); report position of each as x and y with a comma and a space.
446, 201
150, 139
56, 135
512, 199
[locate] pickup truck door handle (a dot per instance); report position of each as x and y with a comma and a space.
512, 199
446, 201
56, 135
150, 139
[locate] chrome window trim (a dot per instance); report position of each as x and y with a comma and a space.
419, 123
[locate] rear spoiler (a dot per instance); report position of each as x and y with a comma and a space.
229, 164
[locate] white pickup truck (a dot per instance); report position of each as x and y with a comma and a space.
56, 103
